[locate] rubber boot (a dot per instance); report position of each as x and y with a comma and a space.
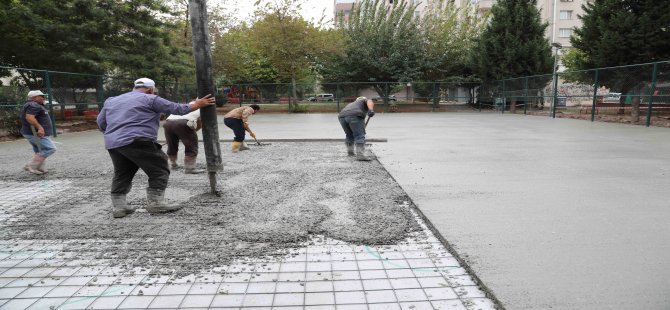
244, 147
350, 149
189, 166
119, 206
156, 202
33, 164
236, 146
361, 154
173, 162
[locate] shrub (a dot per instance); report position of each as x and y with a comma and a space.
10, 121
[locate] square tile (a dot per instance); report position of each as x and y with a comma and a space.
432, 282
107, 302
480, 303
396, 264
384, 306
357, 297
318, 266
289, 299
166, 302
403, 283
383, 296
233, 288
148, 290
377, 284
346, 275
373, 274
370, 264
132, 302
293, 267
411, 295
319, 276
173, 289
319, 298
352, 307
204, 289
264, 287
33, 292
469, 292
290, 287
76, 303
344, 266
348, 285
19, 303
258, 300
46, 303
194, 301
440, 293
454, 304
319, 286
60, 291
400, 273
421, 305
228, 300
291, 276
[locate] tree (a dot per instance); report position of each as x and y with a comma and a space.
622, 32
513, 43
288, 42
381, 44
89, 36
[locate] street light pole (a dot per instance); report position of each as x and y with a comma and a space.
558, 46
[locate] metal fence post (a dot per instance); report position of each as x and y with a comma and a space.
386, 96
503, 98
651, 93
339, 96
525, 95
595, 95
434, 94
101, 90
241, 93
47, 80
553, 105
289, 97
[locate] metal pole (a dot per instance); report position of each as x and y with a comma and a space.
525, 95
503, 97
47, 80
203, 72
339, 97
651, 93
434, 95
555, 82
386, 96
595, 96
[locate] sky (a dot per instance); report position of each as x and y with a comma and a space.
311, 9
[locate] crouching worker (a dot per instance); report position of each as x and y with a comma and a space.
184, 128
130, 124
238, 120
352, 119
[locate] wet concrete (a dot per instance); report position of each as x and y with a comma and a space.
560, 214
274, 197
549, 213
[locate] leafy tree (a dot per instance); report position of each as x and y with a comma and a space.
382, 44
92, 36
513, 43
622, 32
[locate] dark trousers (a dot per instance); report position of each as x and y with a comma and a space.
354, 128
176, 130
237, 126
141, 154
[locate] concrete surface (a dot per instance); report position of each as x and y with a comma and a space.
550, 213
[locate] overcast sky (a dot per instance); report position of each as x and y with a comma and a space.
311, 9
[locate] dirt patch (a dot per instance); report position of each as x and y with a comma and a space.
273, 197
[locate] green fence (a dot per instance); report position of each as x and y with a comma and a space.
72, 96
633, 93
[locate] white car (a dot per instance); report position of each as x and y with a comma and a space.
322, 97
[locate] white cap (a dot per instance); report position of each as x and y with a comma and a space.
145, 82
361, 99
35, 93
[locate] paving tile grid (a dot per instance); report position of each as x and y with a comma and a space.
324, 273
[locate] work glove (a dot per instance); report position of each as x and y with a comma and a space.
253, 135
371, 113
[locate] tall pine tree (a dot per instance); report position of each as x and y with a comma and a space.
514, 43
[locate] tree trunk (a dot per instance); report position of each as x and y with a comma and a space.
294, 91
512, 105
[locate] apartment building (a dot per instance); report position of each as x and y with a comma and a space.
343, 7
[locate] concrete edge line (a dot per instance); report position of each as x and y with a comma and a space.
452, 251
377, 140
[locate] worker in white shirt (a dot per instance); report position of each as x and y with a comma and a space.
184, 128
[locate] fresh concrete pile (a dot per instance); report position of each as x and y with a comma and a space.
273, 197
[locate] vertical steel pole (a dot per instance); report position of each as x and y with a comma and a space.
386, 96
504, 98
651, 93
101, 92
339, 97
47, 80
203, 71
525, 95
434, 94
595, 95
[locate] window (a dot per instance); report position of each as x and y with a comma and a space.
567, 0
417, 13
564, 32
565, 15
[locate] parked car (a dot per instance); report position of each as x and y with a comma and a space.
322, 97
391, 98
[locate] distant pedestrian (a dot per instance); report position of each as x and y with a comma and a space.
130, 124
36, 128
238, 120
352, 119
184, 128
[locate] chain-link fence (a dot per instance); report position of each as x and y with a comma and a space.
71, 97
634, 94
